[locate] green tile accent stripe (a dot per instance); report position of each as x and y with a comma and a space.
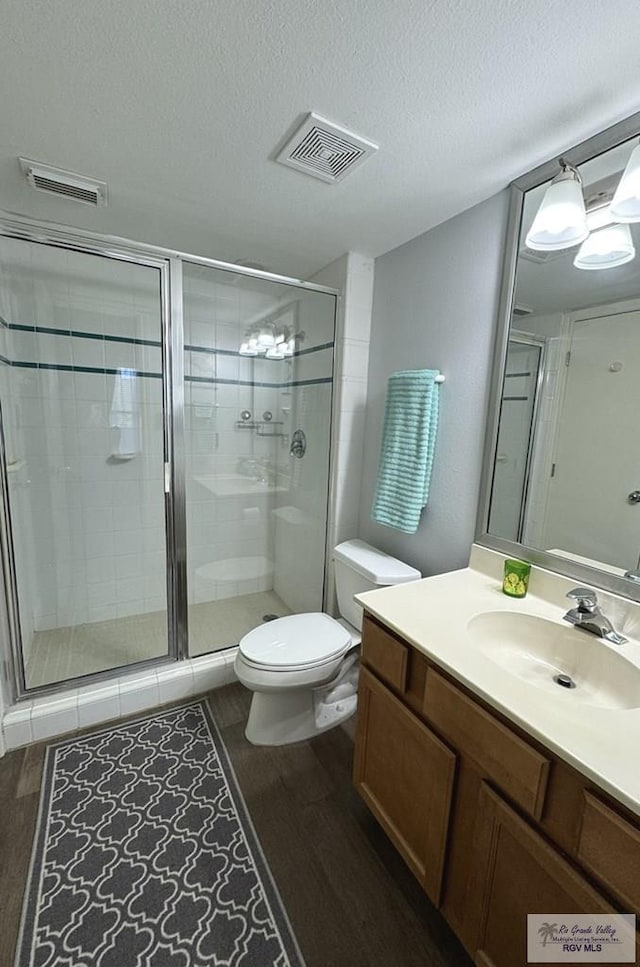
134, 341
307, 382
255, 382
314, 349
109, 371
79, 334
63, 368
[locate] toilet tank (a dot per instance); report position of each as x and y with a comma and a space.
360, 567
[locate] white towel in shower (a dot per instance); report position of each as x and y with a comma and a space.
125, 413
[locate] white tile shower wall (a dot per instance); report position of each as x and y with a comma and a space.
228, 514
353, 274
93, 523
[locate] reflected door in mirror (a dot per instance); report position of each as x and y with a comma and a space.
597, 451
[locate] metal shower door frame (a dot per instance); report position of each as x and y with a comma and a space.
169, 263
171, 339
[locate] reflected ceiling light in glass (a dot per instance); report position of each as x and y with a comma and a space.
270, 341
246, 349
606, 249
561, 220
267, 337
625, 206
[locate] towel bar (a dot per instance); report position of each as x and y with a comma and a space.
440, 378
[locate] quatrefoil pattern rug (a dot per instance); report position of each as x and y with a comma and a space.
145, 855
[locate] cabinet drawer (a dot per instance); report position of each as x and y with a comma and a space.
385, 655
517, 768
609, 847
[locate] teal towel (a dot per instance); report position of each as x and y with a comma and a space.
408, 444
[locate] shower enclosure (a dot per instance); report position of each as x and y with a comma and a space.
165, 452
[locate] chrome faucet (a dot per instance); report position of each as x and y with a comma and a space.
588, 617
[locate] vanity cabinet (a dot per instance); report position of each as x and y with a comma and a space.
405, 774
493, 824
515, 872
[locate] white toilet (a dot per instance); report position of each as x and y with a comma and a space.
303, 669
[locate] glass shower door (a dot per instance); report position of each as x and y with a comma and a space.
258, 370
81, 384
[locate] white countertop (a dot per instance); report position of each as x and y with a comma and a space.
433, 614
235, 484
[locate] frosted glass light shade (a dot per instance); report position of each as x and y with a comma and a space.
561, 220
606, 249
625, 206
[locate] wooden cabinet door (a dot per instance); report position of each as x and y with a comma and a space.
405, 775
516, 872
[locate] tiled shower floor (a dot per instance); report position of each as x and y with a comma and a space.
84, 649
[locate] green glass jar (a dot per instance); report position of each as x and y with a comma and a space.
516, 578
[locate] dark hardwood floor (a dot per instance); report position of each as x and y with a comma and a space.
350, 898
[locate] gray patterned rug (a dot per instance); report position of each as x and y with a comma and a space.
145, 856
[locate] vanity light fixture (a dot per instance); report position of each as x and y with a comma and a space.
561, 220
625, 206
606, 248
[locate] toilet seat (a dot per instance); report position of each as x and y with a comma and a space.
295, 643
288, 669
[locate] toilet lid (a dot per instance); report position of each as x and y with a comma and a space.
299, 640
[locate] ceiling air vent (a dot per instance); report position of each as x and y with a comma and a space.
520, 310
325, 150
65, 184
533, 255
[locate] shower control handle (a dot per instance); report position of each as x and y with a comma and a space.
634, 497
298, 446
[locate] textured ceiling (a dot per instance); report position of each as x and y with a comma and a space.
180, 106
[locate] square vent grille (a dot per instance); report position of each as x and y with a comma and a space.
325, 150
65, 184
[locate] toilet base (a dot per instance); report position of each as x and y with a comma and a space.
280, 718
276, 718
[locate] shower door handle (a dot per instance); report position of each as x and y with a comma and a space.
167, 478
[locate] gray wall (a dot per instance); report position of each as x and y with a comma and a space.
434, 306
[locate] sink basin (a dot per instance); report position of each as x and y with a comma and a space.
536, 650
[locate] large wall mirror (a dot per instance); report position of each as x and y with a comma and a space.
562, 464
